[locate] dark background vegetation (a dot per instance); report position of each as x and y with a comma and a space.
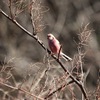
65, 19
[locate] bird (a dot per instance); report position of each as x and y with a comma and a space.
55, 47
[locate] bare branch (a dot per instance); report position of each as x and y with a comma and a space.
43, 46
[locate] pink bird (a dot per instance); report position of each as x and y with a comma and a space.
55, 47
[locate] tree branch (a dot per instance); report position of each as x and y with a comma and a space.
43, 46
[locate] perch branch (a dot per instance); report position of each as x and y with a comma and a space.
43, 46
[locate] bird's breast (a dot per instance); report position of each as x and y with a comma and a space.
54, 46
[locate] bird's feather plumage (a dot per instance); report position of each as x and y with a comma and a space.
55, 46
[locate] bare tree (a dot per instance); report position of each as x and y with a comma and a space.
52, 78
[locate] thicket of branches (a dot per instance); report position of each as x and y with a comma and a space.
28, 70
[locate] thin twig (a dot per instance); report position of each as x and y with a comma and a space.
58, 89
39, 79
10, 8
20, 89
59, 51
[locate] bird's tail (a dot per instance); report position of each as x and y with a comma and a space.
65, 57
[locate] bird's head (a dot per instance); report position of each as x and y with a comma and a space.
50, 37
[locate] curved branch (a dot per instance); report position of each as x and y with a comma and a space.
44, 47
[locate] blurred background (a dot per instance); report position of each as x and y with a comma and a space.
63, 18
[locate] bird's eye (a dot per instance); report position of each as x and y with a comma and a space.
50, 37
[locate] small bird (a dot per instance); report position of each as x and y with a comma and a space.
55, 47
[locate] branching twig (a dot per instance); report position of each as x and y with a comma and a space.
58, 89
39, 79
20, 89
